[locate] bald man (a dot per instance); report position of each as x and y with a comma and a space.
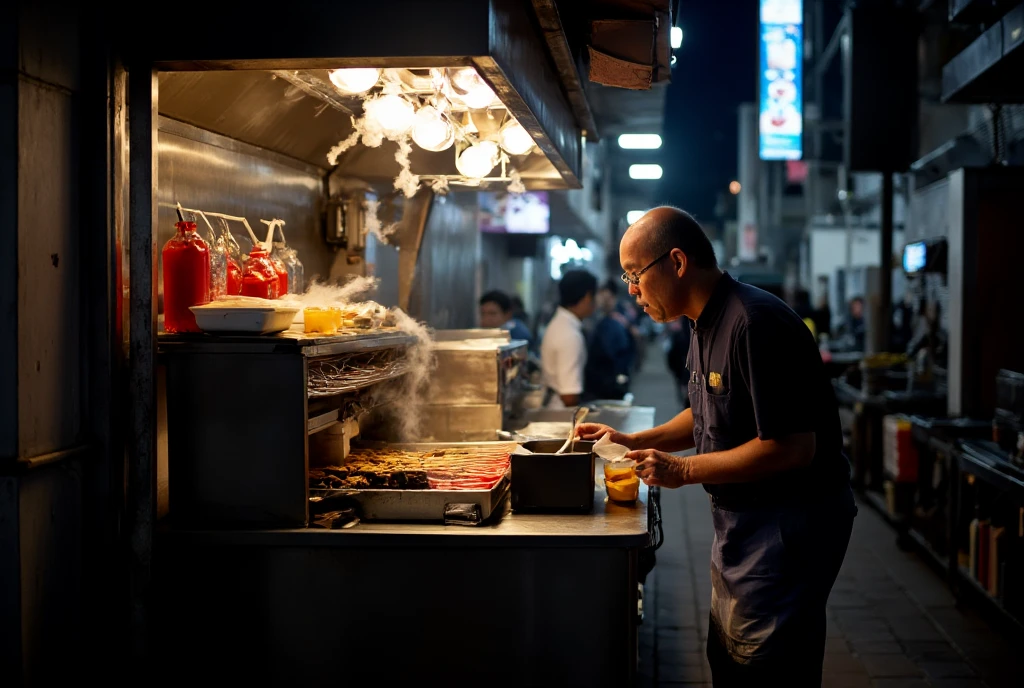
765, 426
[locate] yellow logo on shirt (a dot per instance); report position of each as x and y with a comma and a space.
715, 379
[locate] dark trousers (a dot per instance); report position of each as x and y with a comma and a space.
795, 652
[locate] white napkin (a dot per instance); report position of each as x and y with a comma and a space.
520, 449
609, 451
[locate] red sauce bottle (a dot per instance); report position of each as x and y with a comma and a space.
186, 260
234, 277
260, 279
282, 275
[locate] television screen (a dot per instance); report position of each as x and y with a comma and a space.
914, 257
505, 213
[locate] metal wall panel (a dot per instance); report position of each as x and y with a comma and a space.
447, 281
211, 172
49, 301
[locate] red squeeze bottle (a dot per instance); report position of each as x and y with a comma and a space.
186, 278
234, 277
260, 278
282, 275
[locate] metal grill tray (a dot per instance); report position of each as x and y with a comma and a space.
415, 505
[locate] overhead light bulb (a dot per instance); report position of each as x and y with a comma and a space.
355, 80
478, 160
393, 114
469, 88
431, 130
676, 37
515, 139
645, 171
640, 141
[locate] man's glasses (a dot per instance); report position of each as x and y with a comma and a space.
634, 277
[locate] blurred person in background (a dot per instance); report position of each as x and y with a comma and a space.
822, 311
611, 350
764, 421
563, 350
496, 312
853, 329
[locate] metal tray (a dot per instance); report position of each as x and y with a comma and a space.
411, 505
415, 505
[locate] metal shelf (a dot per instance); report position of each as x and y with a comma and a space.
287, 342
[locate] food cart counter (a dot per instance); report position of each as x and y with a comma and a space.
532, 599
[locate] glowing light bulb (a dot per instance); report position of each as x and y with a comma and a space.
355, 80
394, 114
515, 139
469, 88
478, 160
432, 131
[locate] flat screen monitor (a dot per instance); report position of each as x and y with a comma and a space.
915, 257
505, 213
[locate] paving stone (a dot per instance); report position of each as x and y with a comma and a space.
889, 666
938, 669
875, 647
914, 628
899, 683
842, 663
965, 683
931, 650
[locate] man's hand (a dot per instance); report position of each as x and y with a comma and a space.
658, 468
595, 431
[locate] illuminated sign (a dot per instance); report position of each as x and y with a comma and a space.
781, 124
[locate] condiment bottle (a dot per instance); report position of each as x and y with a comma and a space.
282, 274
234, 281
186, 259
260, 279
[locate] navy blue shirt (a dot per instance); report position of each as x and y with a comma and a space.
610, 354
755, 371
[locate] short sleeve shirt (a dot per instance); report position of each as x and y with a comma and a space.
755, 371
563, 356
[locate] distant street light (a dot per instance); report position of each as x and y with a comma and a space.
645, 171
634, 215
734, 187
640, 141
676, 36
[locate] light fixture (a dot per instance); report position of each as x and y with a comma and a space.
645, 171
355, 80
735, 187
393, 114
640, 141
515, 139
478, 160
469, 88
431, 130
676, 36
634, 215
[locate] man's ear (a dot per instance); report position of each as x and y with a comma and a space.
679, 262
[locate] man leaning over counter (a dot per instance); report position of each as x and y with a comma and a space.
764, 421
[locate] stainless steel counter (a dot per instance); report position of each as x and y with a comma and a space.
531, 600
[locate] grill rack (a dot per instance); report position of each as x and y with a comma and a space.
354, 371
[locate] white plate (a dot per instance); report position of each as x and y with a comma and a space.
250, 319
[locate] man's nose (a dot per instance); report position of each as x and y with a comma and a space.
633, 289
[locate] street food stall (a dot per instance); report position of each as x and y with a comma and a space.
323, 487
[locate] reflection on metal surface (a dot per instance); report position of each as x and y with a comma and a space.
204, 170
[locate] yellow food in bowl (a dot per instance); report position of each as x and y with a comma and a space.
319, 320
623, 490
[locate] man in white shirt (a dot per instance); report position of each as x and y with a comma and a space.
563, 351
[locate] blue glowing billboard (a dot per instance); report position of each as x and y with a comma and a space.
781, 124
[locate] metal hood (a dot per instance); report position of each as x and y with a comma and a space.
261, 76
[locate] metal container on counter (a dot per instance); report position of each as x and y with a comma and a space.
474, 384
546, 482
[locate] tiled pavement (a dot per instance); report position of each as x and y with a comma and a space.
892, 620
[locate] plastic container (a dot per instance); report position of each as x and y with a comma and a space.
260, 279
186, 261
221, 317
319, 321
282, 274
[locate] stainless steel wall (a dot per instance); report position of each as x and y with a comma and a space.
447, 282
207, 171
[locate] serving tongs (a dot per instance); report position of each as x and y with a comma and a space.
577, 418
